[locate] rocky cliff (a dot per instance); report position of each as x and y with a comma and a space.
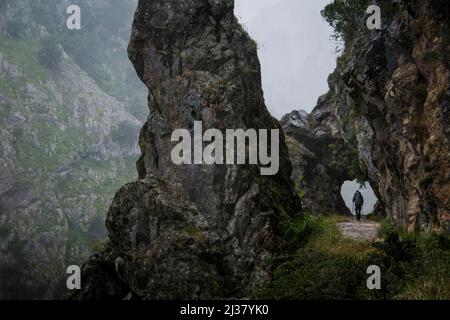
319, 156
389, 96
193, 231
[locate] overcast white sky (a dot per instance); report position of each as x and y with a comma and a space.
295, 50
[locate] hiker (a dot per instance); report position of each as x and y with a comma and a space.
358, 202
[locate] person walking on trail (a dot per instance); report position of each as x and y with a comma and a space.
358, 202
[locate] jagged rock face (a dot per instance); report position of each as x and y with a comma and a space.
393, 96
162, 248
195, 231
309, 137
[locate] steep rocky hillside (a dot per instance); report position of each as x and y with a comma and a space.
390, 96
194, 231
66, 146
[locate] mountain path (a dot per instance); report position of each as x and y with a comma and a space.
364, 230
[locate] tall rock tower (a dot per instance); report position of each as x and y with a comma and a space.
193, 231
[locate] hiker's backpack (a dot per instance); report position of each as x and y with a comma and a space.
358, 200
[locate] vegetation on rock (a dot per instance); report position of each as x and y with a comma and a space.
327, 266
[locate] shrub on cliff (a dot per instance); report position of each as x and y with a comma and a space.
345, 17
298, 230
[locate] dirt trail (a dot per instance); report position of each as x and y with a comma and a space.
359, 230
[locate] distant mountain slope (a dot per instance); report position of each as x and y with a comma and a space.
66, 145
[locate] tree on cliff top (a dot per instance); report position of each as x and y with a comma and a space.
346, 17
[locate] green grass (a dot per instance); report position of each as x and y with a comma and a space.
326, 266
24, 53
297, 230
330, 240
